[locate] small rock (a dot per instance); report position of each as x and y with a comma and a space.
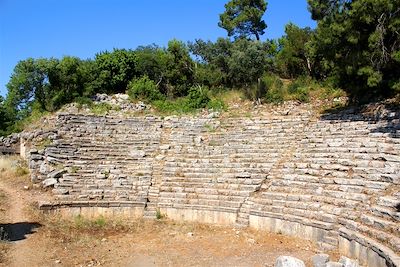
198, 140
320, 260
212, 115
33, 151
26, 187
137, 153
49, 182
190, 234
165, 147
348, 262
57, 261
104, 240
56, 173
288, 261
251, 241
334, 264
122, 96
160, 157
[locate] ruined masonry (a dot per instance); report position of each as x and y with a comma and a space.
334, 180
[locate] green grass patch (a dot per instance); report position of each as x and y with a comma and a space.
43, 143
83, 223
102, 108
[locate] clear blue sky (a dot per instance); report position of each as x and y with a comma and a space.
54, 28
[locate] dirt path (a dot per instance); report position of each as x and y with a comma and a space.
20, 228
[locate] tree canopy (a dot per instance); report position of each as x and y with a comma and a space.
295, 56
359, 42
243, 18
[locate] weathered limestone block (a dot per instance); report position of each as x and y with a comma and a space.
288, 261
320, 260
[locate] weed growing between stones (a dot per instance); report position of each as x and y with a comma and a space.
43, 143
160, 215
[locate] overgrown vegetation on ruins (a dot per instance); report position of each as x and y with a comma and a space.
355, 47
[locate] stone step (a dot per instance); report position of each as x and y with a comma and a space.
326, 246
386, 237
382, 224
331, 241
385, 212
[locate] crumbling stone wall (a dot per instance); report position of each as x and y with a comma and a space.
334, 179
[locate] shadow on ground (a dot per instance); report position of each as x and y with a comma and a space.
385, 118
17, 231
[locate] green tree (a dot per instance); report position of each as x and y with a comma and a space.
213, 58
45, 84
295, 56
5, 118
114, 70
180, 69
152, 62
249, 60
359, 42
243, 18
67, 81
240, 63
29, 83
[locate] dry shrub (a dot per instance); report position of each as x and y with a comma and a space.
13, 168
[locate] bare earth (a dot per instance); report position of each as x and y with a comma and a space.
77, 242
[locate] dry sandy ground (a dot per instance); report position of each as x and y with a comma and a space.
104, 242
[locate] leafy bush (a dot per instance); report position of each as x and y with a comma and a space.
271, 87
302, 94
83, 101
101, 108
198, 97
272, 81
295, 85
216, 104
300, 89
144, 89
168, 106
208, 75
275, 96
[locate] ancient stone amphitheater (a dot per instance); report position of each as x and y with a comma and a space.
333, 179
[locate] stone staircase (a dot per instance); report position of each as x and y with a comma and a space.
314, 178
151, 208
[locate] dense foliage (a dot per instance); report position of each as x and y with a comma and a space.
295, 57
356, 46
359, 44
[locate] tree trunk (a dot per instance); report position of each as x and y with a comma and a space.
309, 67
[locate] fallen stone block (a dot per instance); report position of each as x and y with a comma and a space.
288, 261
346, 262
49, 182
320, 260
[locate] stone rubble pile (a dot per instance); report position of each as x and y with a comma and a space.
120, 100
10, 140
